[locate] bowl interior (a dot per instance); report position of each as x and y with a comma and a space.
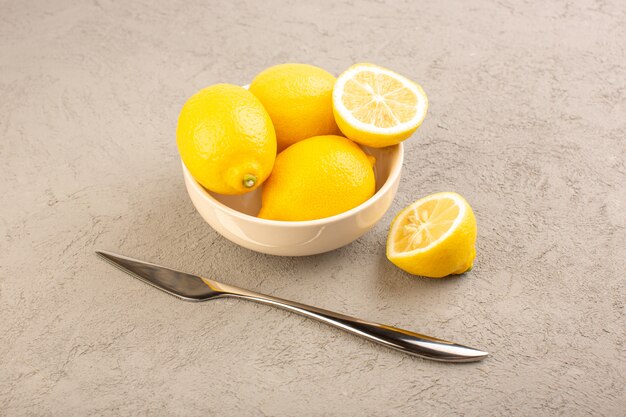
250, 203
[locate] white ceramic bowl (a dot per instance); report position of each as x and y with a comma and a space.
234, 216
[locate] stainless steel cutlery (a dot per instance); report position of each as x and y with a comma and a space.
195, 288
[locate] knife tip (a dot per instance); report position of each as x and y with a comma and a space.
478, 355
105, 254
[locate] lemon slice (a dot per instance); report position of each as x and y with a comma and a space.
434, 236
377, 107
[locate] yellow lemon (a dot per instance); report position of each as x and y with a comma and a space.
434, 236
298, 98
376, 107
226, 139
316, 178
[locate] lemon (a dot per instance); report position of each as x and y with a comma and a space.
316, 178
298, 98
434, 236
376, 107
226, 139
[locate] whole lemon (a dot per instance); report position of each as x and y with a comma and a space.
226, 139
316, 178
298, 98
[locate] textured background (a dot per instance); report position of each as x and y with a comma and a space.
527, 121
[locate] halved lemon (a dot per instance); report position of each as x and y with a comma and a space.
434, 237
376, 107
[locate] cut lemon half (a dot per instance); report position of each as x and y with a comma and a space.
376, 107
434, 237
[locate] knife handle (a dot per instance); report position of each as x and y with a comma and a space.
392, 337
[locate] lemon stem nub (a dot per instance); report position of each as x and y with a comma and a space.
249, 180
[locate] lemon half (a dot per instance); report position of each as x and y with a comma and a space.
434, 237
376, 107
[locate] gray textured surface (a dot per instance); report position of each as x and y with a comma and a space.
527, 121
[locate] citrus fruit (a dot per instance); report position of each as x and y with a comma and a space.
316, 178
226, 139
434, 236
377, 107
298, 98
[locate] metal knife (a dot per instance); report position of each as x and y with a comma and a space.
195, 288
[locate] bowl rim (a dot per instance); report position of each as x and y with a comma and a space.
394, 174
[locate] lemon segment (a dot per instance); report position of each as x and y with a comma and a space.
376, 107
434, 237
